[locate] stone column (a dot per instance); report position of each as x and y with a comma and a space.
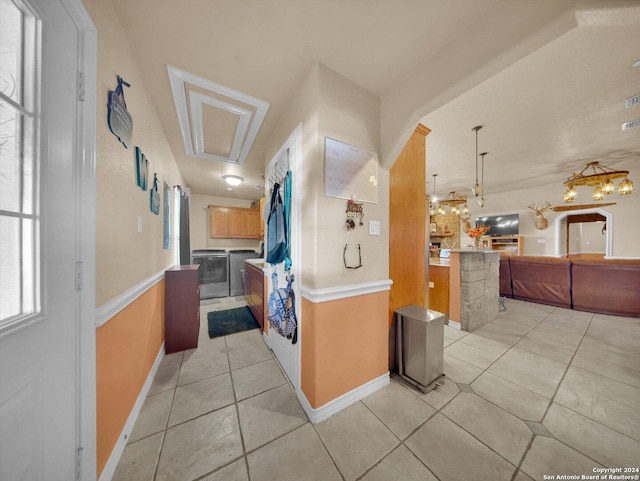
474, 287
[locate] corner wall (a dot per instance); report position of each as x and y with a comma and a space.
332, 326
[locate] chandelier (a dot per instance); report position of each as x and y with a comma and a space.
601, 179
457, 204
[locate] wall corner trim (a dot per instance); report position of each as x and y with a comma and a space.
112, 463
344, 292
344, 401
110, 308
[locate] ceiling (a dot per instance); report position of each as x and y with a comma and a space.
542, 118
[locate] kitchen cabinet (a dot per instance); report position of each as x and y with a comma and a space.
233, 223
254, 291
261, 217
181, 308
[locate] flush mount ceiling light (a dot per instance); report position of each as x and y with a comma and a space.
601, 178
233, 179
216, 122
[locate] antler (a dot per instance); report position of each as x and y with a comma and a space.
541, 209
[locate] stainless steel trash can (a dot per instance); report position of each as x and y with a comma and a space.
420, 346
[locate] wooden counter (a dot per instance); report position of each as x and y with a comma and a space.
439, 286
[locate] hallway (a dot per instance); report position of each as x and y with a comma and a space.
539, 391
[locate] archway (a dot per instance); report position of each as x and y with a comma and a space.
560, 230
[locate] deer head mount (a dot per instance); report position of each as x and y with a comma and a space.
541, 222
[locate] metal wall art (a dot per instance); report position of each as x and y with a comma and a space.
119, 120
355, 211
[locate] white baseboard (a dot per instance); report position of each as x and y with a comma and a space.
339, 403
454, 324
118, 449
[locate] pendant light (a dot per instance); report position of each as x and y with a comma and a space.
432, 210
476, 187
481, 199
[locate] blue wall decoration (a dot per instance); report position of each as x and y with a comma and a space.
142, 169
118, 118
155, 196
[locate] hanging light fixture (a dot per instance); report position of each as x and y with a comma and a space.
456, 203
432, 204
601, 178
476, 187
481, 199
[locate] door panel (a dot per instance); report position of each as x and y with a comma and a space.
38, 389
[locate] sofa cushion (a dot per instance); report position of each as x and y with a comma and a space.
610, 286
505, 278
546, 280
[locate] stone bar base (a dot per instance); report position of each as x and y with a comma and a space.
474, 287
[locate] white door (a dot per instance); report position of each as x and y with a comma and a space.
38, 303
288, 354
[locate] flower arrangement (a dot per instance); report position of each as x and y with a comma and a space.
478, 231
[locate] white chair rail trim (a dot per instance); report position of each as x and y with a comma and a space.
344, 292
109, 309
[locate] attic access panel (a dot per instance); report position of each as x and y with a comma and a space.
236, 117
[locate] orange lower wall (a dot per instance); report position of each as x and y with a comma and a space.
126, 348
345, 344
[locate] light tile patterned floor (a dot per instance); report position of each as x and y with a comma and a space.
539, 391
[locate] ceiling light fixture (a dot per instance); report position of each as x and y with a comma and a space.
432, 206
635, 64
481, 199
233, 179
601, 179
476, 187
456, 203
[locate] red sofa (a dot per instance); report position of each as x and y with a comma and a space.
608, 286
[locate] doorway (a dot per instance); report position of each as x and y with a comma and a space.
586, 236
288, 158
590, 217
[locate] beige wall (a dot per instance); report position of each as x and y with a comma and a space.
126, 257
329, 105
625, 229
199, 223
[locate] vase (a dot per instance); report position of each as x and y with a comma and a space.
476, 242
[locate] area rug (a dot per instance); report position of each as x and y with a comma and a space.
230, 321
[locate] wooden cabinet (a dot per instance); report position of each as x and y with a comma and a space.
233, 223
508, 245
439, 288
254, 291
218, 222
181, 308
261, 217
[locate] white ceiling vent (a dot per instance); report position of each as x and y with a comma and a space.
216, 122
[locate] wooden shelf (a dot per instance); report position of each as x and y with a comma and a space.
442, 234
511, 245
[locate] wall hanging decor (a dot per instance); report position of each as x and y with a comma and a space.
350, 172
541, 222
118, 118
142, 169
354, 211
155, 196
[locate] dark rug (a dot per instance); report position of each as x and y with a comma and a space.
230, 321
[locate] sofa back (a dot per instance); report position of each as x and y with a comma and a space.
546, 280
610, 286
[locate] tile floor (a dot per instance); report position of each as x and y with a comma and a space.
539, 391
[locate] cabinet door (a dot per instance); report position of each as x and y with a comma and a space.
218, 222
251, 225
236, 221
261, 218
